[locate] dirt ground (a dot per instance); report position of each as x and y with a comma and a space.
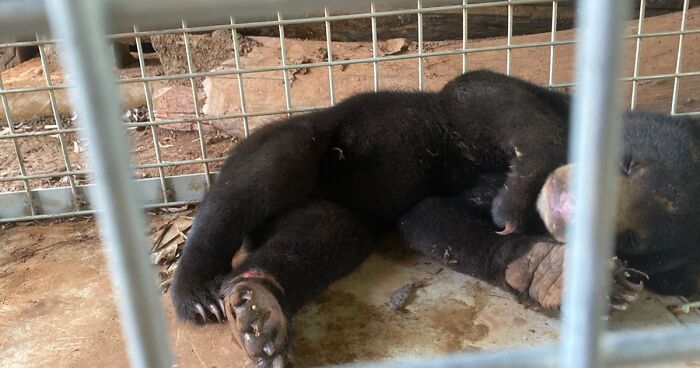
57, 310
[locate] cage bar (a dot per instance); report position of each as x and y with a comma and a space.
18, 153
509, 39
637, 52
81, 24
59, 123
595, 136
419, 6
195, 102
239, 77
329, 56
679, 57
375, 47
465, 23
151, 115
285, 75
553, 38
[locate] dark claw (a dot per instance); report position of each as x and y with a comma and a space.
201, 312
634, 286
221, 304
269, 349
509, 229
278, 362
619, 307
628, 297
215, 311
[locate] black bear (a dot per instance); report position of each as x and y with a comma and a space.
305, 197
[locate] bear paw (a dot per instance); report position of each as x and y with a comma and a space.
259, 325
539, 273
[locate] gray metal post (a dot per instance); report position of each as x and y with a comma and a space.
81, 25
596, 119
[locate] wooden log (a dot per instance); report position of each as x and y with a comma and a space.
11, 56
482, 23
310, 87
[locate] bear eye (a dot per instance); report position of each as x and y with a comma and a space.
627, 165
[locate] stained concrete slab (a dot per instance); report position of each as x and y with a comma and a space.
56, 309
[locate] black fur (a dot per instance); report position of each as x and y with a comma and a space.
657, 219
311, 191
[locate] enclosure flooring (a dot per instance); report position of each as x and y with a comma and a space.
57, 310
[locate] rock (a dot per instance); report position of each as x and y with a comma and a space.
121, 51
209, 50
173, 103
392, 46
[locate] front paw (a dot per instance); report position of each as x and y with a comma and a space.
539, 273
508, 210
196, 300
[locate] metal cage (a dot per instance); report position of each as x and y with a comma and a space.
81, 27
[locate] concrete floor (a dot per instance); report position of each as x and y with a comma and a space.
56, 310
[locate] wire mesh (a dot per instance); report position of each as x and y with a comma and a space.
164, 167
617, 348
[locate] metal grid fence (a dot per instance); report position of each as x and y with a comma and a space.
80, 24
36, 202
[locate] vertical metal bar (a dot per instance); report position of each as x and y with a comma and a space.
420, 45
59, 124
375, 67
509, 52
239, 76
18, 152
151, 116
329, 48
81, 24
637, 52
595, 142
464, 36
553, 38
676, 79
285, 75
193, 84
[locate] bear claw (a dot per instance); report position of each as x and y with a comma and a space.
215, 311
624, 291
508, 229
200, 312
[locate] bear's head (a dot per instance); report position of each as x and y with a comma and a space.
658, 210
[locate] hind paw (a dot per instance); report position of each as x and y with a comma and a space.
258, 322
